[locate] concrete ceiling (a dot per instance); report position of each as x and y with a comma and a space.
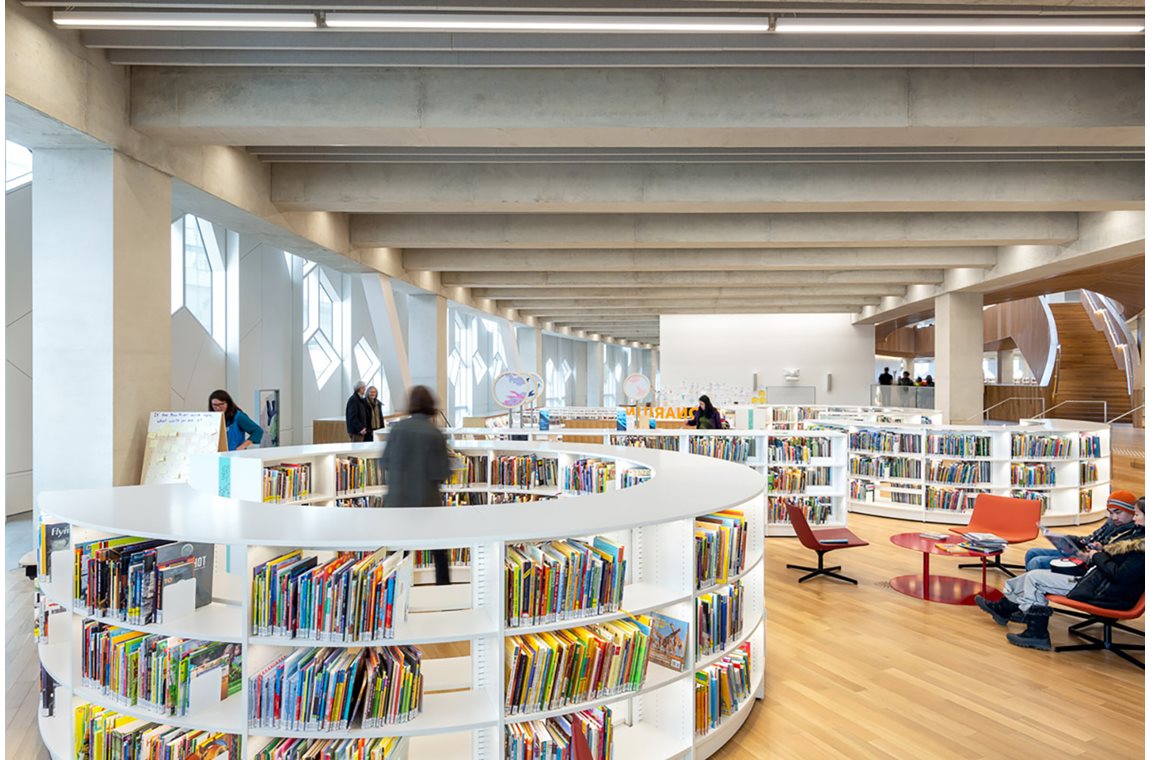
594, 182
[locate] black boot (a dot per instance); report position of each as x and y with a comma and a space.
1003, 611
1036, 635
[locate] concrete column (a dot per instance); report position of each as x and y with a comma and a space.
582, 380
422, 350
595, 362
958, 357
101, 274
1006, 366
441, 349
393, 354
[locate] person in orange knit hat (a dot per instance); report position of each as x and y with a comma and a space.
1119, 521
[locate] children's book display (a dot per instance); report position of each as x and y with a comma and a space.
563, 580
104, 734
553, 739
721, 688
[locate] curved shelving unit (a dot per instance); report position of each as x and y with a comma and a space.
463, 713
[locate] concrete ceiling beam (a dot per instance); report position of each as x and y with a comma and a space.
528, 231
814, 307
536, 309
542, 295
723, 188
702, 278
684, 107
594, 260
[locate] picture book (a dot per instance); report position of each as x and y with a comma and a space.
668, 642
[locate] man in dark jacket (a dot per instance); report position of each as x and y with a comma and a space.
1119, 521
1115, 580
356, 413
886, 378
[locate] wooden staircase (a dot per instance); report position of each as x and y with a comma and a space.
1086, 368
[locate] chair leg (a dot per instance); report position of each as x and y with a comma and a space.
1106, 642
814, 572
997, 564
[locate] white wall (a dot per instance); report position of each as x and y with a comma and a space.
728, 349
18, 352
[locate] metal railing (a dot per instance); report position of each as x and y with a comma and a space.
1105, 407
1039, 399
908, 396
1126, 414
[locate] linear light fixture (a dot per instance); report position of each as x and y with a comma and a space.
1051, 26
112, 20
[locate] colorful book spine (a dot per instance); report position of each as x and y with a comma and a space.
635, 476
1085, 500
951, 499
329, 689
1090, 446
287, 482
797, 479
886, 467
720, 547
360, 502
885, 442
589, 476
459, 557
466, 498
946, 471
354, 597
718, 618
104, 734
1042, 497
818, 509
1032, 474
376, 748
1045, 446
474, 472
551, 739
721, 688
958, 444
799, 450
356, 473
552, 670
566, 579
527, 471
731, 448
1087, 472
519, 498
658, 442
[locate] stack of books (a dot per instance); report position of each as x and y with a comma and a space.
548, 671
103, 734
563, 580
721, 688
720, 547
329, 689
378, 748
157, 673
287, 482
551, 739
354, 597
718, 619
983, 543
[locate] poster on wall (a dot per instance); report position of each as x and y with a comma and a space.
173, 437
268, 404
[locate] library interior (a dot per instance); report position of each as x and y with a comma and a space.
770, 371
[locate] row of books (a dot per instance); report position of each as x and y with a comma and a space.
1087, 472
818, 508
797, 479
44, 611
886, 441
792, 413
1042, 497
1085, 500
589, 476
474, 470
1034, 474
377, 748
721, 688
564, 579
460, 557
958, 444
1090, 446
798, 450
287, 482
983, 543
464, 498
330, 689
526, 471
374, 501
162, 674
354, 473
104, 734
885, 467
951, 499
947, 471
520, 498
548, 671
720, 547
658, 442
730, 448
1032, 445
718, 618
353, 597
141, 581
635, 476
553, 739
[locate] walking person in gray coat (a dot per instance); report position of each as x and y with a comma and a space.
416, 464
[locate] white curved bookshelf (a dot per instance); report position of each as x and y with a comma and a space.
463, 714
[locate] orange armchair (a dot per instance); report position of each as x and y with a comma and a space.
1108, 619
816, 542
1015, 520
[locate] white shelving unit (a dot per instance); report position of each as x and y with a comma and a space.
799, 417
654, 521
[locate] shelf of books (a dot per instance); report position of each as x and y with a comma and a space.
185, 622
934, 473
796, 417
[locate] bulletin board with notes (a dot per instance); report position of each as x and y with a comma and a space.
174, 437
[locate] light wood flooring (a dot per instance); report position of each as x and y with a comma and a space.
852, 672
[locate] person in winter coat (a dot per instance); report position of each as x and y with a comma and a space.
1119, 520
1115, 580
706, 416
356, 414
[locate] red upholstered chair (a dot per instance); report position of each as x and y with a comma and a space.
1108, 619
1015, 520
816, 542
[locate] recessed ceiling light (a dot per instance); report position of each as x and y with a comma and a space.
412, 22
1053, 26
112, 20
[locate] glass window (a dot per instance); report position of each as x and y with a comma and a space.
322, 325
17, 165
198, 282
197, 274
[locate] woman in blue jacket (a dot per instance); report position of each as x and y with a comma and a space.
242, 430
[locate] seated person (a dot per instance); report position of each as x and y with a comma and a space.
1119, 520
1116, 579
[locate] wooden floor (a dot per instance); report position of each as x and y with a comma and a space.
852, 672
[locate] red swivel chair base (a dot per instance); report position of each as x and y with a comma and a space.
1108, 619
816, 541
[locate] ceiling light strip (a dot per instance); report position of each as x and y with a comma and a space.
113, 20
